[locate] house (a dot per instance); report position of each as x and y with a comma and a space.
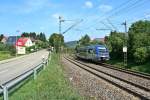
24, 42
33, 40
12, 40
99, 39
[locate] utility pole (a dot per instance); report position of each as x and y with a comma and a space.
18, 31
60, 21
125, 45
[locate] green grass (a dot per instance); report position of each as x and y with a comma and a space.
131, 65
49, 85
5, 55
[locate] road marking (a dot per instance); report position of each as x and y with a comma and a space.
3, 71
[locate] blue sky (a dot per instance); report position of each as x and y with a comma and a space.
42, 16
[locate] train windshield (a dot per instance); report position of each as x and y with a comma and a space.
102, 49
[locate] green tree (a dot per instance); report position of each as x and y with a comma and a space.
41, 37
115, 44
97, 42
139, 36
141, 55
33, 35
85, 40
1, 37
57, 41
25, 34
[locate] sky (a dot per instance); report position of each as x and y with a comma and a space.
42, 16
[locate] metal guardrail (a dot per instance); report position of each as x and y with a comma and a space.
4, 88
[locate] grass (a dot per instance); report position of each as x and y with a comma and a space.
49, 85
145, 68
5, 55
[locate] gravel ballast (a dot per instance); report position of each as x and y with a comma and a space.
92, 87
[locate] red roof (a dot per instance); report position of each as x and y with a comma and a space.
21, 41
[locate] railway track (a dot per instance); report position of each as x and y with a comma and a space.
140, 74
138, 84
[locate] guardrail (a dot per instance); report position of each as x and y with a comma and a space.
4, 88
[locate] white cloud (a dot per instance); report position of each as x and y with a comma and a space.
105, 8
89, 4
42, 28
56, 15
147, 15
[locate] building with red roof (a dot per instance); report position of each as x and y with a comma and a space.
24, 42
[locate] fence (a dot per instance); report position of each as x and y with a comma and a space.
6, 87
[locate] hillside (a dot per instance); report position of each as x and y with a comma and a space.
71, 44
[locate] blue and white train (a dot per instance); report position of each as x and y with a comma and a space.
93, 52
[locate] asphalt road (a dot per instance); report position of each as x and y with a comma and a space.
15, 67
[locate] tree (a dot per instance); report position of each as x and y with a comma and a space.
139, 36
97, 42
25, 34
140, 55
115, 44
56, 40
1, 37
85, 40
41, 37
33, 35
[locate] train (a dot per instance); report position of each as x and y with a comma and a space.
95, 53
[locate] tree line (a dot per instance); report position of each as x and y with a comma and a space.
41, 36
138, 42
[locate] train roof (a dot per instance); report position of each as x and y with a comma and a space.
91, 46
94, 46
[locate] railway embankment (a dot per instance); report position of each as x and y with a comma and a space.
93, 87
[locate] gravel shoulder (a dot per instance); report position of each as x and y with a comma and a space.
92, 87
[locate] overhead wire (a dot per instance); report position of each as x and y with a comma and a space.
128, 7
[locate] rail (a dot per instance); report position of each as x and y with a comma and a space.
6, 87
118, 84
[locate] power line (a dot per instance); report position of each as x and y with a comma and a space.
116, 8
112, 24
129, 6
129, 9
106, 25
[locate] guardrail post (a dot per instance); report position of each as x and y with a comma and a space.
44, 66
47, 62
5, 93
49, 56
35, 74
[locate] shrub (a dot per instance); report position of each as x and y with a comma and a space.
5, 47
30, 49
141, 55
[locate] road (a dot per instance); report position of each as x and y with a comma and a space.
15, 67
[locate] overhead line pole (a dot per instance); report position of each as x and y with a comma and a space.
125, 45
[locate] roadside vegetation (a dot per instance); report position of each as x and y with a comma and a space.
49, 85
6, 51
138, 47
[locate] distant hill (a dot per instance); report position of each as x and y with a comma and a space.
71, 44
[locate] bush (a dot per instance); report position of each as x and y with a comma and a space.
5, 47
30, 49
141, 55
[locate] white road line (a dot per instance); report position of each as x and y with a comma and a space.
3, 71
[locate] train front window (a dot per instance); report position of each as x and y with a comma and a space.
102, 49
